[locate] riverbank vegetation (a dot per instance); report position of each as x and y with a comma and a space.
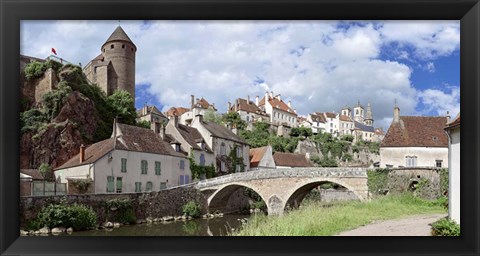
321, 219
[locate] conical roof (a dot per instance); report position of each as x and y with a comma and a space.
119, 35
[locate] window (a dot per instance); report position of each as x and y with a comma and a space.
182, 164
331, 124
124, 165
138, 187
248, 118
239, 151
163, 185
144, 166
158, 168
110, 184
149, 186
177, 147
202, 160
438, 163
410, 161
111, 46
237, 168
119, 184
222, 149
123, 46
222, 166
184, 179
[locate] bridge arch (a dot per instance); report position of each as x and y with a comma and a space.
298, 193
220, 198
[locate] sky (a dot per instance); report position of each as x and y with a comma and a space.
317, 65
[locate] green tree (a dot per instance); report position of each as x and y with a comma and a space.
143, 123
121, 103
44, 169
212, 116
301, 132
233, 119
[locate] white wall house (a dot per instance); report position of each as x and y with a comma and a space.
413, 141
134, 159
248, 111
279, 112
151, 114
453, 131
222, 140
198, 107
318, 121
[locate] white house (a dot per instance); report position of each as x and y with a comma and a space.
198, 107
280, 113
222, 141
318, 122
262, 157
248, 110
331, 125
453, 131
133, 159
191, 141
415, 141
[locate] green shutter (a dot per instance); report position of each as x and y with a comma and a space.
149, 186
110, 185
124, 165
158, 168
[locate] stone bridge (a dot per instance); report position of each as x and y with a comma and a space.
282, 188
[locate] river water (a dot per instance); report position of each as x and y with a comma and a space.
219, 226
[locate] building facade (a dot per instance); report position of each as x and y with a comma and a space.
280, 113
453, 131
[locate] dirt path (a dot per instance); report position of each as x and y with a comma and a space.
417, 225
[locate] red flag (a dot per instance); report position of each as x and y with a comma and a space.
54, 52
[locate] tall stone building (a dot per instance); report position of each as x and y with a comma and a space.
114, 67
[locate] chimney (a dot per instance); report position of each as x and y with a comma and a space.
279, 97
396, 114
162, 132
82, 153
271, 94
229, 106
266, 96
289, 104
248, 99
192, 100
145, 110
199, 118
175, 121
236, 105
448, 117
256, 100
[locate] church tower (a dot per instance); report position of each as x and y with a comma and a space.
346, 111
358, 113
368, 117
119, 51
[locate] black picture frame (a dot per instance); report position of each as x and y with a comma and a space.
12, 11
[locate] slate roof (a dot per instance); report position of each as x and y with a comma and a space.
363, 127
220, 131
417, 131
454, 123
133, 138
291, 159
256, 155
176, 111
247, 107
119, 35
277, 104
192, 136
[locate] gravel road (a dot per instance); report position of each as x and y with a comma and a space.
417, 225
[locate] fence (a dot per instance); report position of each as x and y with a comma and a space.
39, 188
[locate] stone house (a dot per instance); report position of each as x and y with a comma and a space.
222, 141
151, 114
261, 157
413, 141
133, 159
248, 111
290, 160
197, 107
280, 113
453, 132
192, 141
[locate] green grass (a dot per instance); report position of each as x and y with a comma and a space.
317, 219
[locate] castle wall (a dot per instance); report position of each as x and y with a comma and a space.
122, 57
45, 84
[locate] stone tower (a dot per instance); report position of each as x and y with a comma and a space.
120, 51
358, 113
368, 116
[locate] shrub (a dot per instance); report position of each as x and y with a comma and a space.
378, 180
445, 227
36, 69
77, 216
192, 209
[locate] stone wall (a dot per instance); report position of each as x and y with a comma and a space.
155, 204
45, 84
425, 182
330, 195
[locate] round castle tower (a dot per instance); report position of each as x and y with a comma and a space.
120, 51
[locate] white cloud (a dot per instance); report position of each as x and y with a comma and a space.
430, 67
440, 102
319, 66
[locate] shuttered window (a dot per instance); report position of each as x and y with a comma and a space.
119, 184
124, 165
148, 187
138, 187
110, 185
158, 168
144, 166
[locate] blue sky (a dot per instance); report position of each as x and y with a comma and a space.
317, 65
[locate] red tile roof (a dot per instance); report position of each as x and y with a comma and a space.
256, 155
318, 117
291, 159
417, 131
203, 103
277, 104
247, 107
345, 118
330, 115
455, 122
132, 138
176, 111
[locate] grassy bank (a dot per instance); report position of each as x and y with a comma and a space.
317, 219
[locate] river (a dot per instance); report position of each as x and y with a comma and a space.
219, 226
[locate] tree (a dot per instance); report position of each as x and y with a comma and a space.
212, 116
301, 132
121, 103
233, 119
44, 169
144, 124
